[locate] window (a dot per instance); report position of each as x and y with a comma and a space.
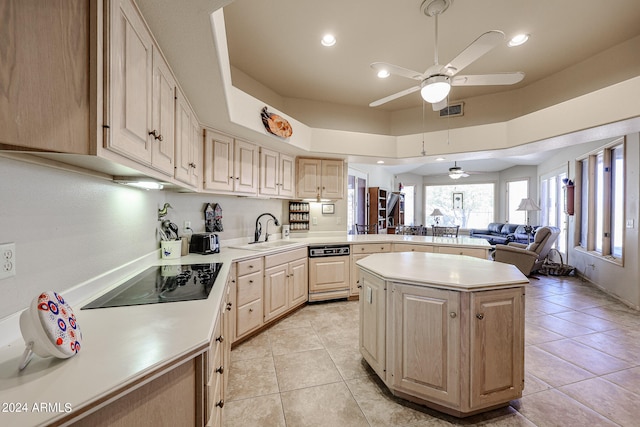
552, 205
466, 205
516, 191
409, 203
601, 201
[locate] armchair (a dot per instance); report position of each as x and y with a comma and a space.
528, 258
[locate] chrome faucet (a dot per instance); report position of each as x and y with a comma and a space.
258, 231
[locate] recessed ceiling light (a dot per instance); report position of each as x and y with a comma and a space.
380, 162
518, 40
440, 159
328, 40
383, 74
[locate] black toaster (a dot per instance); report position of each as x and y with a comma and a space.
204, 243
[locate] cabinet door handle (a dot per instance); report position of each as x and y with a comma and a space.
480, 316
250, 281
156, 135
220, 370
251, 310
229, 306
220, 403
220, 339
359, 286
453, 315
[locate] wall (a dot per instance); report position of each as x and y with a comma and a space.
620, 281
68, 228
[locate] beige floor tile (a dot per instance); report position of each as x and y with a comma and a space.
585, 357
349, 362
545, 306
381, 408
577, 301
552, 369
587, 320
293, 321
256, 347
305, 369
256, 411
292, 340
553, 408
325, 405
533, 384
536, 334
613, 344
560, 326
617, 313
251, 378
629, 379
608, 399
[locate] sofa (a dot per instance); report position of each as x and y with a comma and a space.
498, 233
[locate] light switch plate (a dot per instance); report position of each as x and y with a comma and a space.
629, 223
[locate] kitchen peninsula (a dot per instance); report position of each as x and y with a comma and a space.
153, 353
442, 330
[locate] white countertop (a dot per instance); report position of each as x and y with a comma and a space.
122, 344
456, 272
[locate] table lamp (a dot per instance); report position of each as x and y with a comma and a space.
528, 205
436, 214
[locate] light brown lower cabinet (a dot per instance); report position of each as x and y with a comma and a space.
285, 282
190, 392
249, 289
455, 351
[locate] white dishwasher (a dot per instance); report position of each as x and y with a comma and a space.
329, 267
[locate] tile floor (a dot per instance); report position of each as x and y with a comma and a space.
582, 366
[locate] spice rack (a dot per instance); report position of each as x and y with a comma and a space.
298, 216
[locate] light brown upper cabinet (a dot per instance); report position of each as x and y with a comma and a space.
142, 108
189, 137
320, 178
231, 166
277, 174
44, 76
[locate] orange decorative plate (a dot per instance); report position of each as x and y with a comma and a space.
276, 124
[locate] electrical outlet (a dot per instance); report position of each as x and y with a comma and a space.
314, 220
187, 225
7, 260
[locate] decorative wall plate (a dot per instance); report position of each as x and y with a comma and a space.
275, 124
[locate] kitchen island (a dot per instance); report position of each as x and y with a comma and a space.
446, 331
152, 353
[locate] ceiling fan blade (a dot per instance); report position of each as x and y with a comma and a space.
488, 79
394, 96
397, 71
475, 50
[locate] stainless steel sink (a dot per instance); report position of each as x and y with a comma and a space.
265, 246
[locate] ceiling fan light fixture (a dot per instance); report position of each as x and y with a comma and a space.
454, 175
518, 40
435, 89
383, 74
328, 40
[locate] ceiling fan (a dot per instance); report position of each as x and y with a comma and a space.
436, 81
456, 172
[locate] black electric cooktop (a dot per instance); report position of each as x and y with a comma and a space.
160, 284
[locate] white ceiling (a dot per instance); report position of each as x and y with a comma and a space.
277, 44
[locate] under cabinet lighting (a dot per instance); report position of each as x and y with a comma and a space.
144, 183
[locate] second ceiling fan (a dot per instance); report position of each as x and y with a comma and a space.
436, 81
